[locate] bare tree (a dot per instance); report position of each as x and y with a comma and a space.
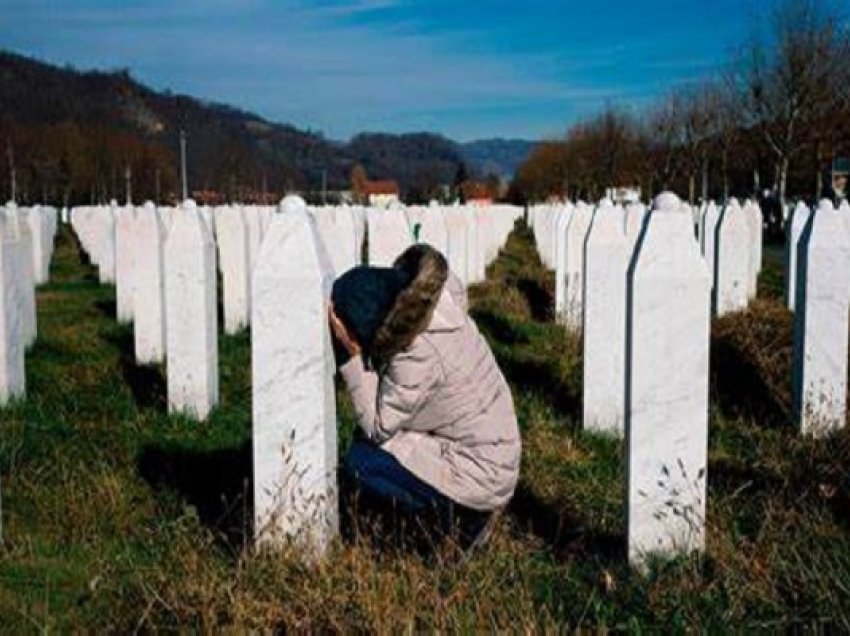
696, 127
786, 82
663, 136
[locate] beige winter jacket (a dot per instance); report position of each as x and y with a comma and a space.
440, 404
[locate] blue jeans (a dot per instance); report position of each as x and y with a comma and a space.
385, 489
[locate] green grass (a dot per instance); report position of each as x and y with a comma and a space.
119, 517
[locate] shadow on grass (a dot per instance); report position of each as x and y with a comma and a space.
146, 383
740, 389
537, 372
540, 300
751, 360
563, 531
107, 307
216, 483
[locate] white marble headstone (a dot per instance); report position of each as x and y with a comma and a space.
22, 249
457, 228
755, 222
42, 237
474, 256
433, 230
562, 223
190, 315
605, 267
732, 267
710, 221
389, 236
799, 220
149, 288
255, 233
294, 408
106, 244
125, 246
232, 237
820, 323
12, 372
667, 353
574, 255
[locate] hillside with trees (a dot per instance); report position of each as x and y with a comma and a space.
73, 136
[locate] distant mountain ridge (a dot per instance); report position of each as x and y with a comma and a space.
112, 120
501, 157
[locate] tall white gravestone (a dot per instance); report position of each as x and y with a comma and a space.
389, 236
294, 408
21, 246
105, 238
232, 237
799, 220
190, 315
710, 221
755, 222
562, 223
149, 288
606, 262
12, 372
125, 246
667, 352
820, 323
574, 255
457, 228
42, 239
733, 261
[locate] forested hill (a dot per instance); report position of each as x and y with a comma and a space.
72, 134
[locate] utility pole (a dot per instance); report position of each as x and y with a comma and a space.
128, 181
12, 175
183, 164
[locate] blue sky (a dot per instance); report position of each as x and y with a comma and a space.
468, 69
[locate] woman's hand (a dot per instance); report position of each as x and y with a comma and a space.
345, 338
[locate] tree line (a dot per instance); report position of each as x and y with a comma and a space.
772, 121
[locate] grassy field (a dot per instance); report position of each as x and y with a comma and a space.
119, 517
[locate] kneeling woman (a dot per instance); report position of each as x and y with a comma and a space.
439, 432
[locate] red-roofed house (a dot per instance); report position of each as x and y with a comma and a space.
381, 193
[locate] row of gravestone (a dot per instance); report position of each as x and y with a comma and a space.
561, 233
470, 238
26, 248
635, 283
172, 260
647, 291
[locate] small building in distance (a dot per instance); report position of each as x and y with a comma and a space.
623, 195
481, 193
381, 194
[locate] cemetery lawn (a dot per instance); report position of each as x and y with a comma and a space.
118, 517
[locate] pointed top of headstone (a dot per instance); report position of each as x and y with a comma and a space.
11, 205
149, 205
801, 206
667, 202
113, 203
189, 204
734, 203
292, 204
825, 205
